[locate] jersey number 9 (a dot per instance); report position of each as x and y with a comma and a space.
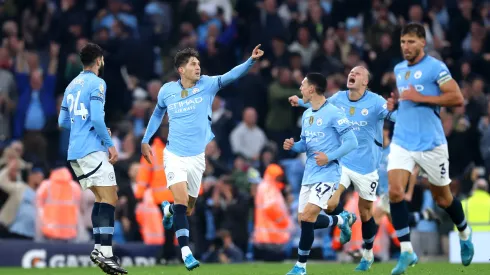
74, 106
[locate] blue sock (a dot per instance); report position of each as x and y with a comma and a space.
181, 224
106, 228
95, 225
399, 217
455, 211
306, 241
325, 221
369, 230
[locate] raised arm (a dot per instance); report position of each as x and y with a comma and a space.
303, 104
383, 112
241, 69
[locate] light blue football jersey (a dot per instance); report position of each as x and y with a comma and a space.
189, 111
84, 139
366, 115
321, 131
383, 172
419, 126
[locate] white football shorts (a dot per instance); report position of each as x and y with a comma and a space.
317, 194
184, 169
434, 163
365, 185
94, 170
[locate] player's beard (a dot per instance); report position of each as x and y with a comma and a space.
101, 71
414, 57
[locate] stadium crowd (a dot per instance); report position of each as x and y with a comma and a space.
251, 118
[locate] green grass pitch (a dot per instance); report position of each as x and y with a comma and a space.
264, 269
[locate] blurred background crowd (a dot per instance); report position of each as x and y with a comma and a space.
248, 202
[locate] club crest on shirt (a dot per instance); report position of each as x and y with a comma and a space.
311, 120
364, 112
417, 74
319, 122
407, 75
195, 91
184, 93
352, 111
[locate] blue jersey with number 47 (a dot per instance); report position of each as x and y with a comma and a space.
322, 131
366, 116
419, 126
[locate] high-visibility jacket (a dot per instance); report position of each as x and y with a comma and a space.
153, 175
58, 203
477, 211
273, 223
149, 219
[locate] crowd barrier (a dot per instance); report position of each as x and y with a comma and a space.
29, 254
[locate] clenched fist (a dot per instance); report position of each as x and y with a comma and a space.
288, 144
294, 100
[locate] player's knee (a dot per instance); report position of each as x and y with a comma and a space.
308, 217
181, 200
329, 210
365, 210
397, 193
331, 205
365, 214
443, 202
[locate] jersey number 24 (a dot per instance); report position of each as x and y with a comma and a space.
77, 109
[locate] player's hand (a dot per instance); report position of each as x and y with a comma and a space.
294, 100
257, 53
147, 152
391, 102
288, 144
321, 158
112, 155
412, 95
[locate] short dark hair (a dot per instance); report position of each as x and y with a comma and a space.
319, 81
90, 53
414, 28
183, 56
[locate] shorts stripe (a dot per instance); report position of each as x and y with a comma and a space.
90, 173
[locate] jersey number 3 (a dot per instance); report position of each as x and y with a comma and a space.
77, 109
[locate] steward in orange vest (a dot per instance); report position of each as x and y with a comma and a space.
58, 203
273, 224
149, 219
